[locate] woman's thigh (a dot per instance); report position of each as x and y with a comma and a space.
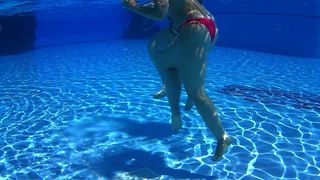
193, 44
161, 48
162, 41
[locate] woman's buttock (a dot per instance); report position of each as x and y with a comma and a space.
171, 50
162, 49
163, 41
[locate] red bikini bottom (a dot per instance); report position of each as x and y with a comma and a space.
208, 22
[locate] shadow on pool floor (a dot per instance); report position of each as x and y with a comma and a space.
272, 95
124, 157
130, 160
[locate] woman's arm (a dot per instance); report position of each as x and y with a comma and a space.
157, 9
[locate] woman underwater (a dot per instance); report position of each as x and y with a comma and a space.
180, 54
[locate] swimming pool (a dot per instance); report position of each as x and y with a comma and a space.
84, 111
79, 105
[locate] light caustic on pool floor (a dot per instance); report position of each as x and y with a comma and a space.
86, 111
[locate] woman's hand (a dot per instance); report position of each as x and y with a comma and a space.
156, 10
129, 3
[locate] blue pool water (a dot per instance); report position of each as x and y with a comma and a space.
85, 111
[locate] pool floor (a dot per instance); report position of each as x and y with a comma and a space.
85, 111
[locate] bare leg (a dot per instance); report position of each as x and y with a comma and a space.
160, 57
161, 93
189, 104
172, 83
173, 88
195, 46
209, 114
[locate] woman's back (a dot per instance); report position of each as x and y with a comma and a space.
179, 10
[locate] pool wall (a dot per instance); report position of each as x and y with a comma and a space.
289, 27
17, 34
81, 24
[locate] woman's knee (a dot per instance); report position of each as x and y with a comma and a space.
198, 95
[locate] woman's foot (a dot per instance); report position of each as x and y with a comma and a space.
176, 122
189, 104
222, 147
161, 93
